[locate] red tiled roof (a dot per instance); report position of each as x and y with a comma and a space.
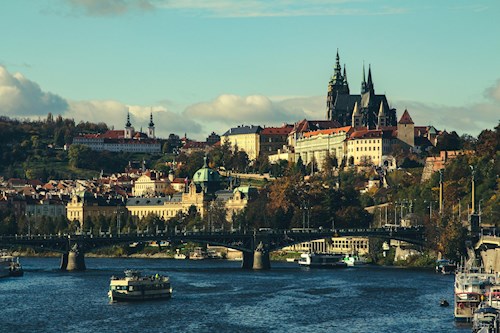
405, 118
306, 125
346, 129
284, 130
365, 133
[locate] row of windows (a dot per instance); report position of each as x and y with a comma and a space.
365, 141
365, 149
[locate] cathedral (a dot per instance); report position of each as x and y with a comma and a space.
365, 110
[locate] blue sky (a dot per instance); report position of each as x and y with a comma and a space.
203, 66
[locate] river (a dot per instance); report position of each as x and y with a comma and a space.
218, 296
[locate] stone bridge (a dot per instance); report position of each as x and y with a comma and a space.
255, 245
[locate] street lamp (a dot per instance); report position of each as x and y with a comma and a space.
473, 197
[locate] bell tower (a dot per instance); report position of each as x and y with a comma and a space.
151, 127
129, 130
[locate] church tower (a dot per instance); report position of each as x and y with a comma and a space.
129, 130
151, 127
337, 86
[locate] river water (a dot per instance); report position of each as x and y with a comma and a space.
218, 296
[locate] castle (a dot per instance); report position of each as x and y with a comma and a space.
365, 110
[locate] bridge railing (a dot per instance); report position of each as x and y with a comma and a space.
260, 231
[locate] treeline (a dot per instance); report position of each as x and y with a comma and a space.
32, 148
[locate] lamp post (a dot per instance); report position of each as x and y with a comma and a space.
395, 211
459, 210
473, 197
441, 190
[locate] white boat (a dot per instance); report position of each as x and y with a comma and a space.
179, 255
354, 260
322, 260
134, 287
10, 266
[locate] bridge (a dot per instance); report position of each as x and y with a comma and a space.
255, 245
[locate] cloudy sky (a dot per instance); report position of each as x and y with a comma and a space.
208, 65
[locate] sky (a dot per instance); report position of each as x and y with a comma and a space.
208, 65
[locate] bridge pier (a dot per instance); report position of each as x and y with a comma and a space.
73, 260
261, 259
247, 262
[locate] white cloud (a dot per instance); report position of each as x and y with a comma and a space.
278, 8
231, 110
470, 119
231, 8
114, 114
20, 97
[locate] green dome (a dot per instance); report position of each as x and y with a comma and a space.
208, 179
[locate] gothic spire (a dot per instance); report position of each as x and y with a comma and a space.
345, 76
337, 71
363, 83
369, 84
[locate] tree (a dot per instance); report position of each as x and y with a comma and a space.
329, 163
78, 155
216, 217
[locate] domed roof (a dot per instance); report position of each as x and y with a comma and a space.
206, 177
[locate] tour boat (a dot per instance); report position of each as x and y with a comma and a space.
134, 287
10, 266
322, 260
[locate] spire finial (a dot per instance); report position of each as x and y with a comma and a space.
128, 124
337, 71
151, 124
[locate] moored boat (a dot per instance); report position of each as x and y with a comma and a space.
354, 260
445, 266
198, 254
486, 319
10, 266
134, 287
472, 286
322, 260
179, 255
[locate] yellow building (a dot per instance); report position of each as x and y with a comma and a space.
150, 184
246, 138
316, 145
85, 204
368, 146
203, 190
